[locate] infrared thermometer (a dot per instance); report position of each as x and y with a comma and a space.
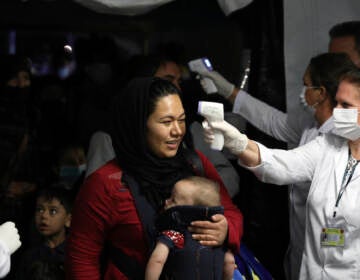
202, 65
213, 111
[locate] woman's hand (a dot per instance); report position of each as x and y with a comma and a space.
210, 233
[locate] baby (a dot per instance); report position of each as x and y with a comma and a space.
190, 196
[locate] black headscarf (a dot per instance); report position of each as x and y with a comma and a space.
155, 175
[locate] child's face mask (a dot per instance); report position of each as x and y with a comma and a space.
70, 174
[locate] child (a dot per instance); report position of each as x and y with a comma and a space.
71, 165
192, 191
52, 218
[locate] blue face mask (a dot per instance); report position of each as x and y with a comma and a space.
71, 173
64, 72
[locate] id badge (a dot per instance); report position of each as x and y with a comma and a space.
332, 237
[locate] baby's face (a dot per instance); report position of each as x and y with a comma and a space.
182, 194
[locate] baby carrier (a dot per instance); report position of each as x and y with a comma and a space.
248, 267
193, 260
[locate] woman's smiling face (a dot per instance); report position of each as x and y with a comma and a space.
166, 126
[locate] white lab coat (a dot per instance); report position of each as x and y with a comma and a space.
321, 161
5, 260
288, 128
284, 127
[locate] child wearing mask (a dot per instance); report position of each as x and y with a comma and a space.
52, 220
72, 163
190, 197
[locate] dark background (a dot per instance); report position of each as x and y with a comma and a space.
201, 29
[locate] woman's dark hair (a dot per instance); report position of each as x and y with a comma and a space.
130, 112
158, 89
326, 69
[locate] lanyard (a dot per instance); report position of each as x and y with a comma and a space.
349, 171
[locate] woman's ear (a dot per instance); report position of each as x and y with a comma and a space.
322, 93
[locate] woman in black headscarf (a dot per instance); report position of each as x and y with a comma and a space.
119, 202
156, 168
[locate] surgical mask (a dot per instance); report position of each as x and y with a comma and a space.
66, 70
302, 97
307, 106
70, 174
346, 123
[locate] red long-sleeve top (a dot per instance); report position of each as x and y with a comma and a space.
105, 211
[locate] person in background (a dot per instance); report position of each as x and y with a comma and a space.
92, 86
191, 191
18, 158
330, 162
16, 92
345, 37
322, 79
15, 82
15, 72
71, 165
168, 69
148, 135
52, 221
67, 166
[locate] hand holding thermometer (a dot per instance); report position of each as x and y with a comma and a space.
203, 65
213, 111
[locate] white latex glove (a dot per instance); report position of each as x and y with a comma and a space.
234, 140
224, 87
9, 236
